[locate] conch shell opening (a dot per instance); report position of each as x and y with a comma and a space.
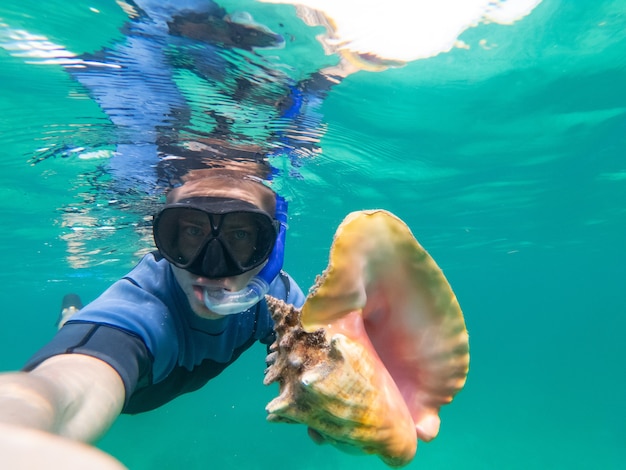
378, 347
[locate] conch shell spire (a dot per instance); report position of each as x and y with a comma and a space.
378, 347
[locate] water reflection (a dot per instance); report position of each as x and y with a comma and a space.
186, 87
183, 89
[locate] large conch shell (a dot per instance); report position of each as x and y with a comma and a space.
378, 347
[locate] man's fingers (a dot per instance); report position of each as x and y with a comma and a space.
270, 359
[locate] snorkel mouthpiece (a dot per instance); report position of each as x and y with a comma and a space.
224, 302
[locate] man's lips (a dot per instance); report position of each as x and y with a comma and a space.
198, 290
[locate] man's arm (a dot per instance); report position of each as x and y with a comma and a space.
72, 395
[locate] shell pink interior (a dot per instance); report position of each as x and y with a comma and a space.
382, 288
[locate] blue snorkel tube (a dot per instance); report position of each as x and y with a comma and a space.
224, 302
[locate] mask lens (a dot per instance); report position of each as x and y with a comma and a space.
242, 235
181, 233
214, 245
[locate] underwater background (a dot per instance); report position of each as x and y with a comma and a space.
507, 158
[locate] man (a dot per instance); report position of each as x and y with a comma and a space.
175, 321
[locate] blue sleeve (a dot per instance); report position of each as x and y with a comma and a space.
142, 304
130, 326
123, 351
128, 307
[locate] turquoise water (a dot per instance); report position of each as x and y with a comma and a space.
506, 162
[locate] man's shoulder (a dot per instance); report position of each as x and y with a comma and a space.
284, 287
152, 272
148, 284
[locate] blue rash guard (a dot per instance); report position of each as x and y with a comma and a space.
145, 329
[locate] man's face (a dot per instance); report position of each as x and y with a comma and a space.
194, 285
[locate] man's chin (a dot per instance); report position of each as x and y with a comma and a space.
208, 315
203, 312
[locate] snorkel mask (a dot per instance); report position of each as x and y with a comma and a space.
218, 237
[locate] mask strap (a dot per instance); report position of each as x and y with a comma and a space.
276, 258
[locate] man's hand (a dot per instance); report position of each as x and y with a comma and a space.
30, 448
72, 395
270, 359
